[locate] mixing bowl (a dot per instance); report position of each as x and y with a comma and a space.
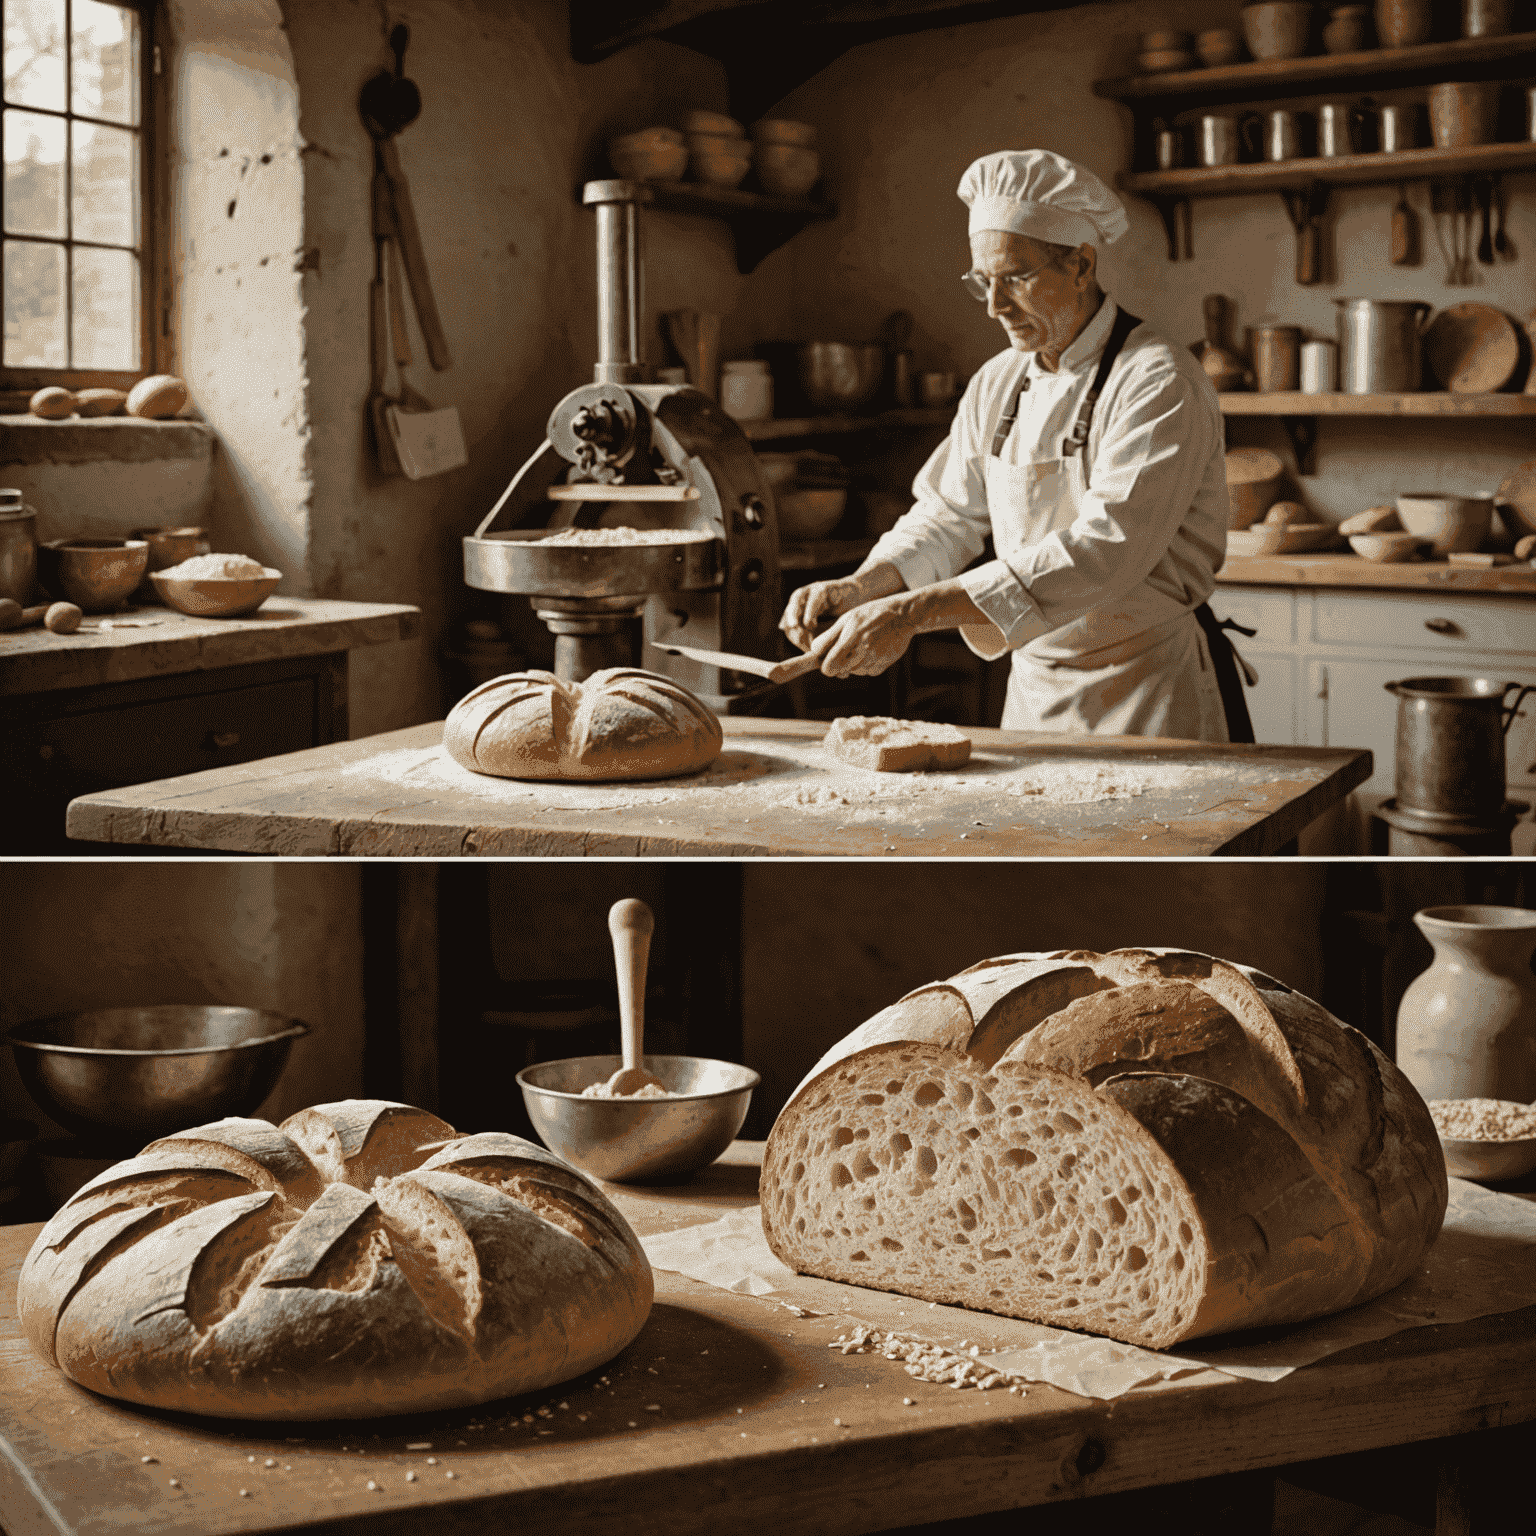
215, 597
1488, 1159
127, 1075
1449, 521
840, 375
94, 574
638, 1141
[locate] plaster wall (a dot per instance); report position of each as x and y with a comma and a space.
282, 936
108, 498
900, 120
509, 128
825, 946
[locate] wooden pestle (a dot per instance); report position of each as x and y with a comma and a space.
630, 925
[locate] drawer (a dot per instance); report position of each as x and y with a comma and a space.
108, 748
1450, 623
1269, 612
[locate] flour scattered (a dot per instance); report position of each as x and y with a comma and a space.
601, 538
928, 1361
1483, 1119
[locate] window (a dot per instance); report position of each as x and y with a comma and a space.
76, 260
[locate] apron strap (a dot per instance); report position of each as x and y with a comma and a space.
1005, 425
1125, 323
1224, 659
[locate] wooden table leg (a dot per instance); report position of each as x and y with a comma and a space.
1453, 1496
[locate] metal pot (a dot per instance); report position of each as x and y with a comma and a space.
1381, 345
840, 375
18, 548
1450, 745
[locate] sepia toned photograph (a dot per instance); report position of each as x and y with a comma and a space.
769, 764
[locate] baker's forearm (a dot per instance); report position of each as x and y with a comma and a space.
878, 578
943, 605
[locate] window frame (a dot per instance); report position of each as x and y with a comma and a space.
15, 381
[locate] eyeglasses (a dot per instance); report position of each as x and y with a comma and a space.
1015, 284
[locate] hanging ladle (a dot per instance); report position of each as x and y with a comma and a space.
389, 102
630, 924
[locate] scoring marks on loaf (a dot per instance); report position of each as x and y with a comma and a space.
1020, 1192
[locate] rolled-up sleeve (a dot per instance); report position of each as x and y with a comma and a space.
947, 526
1147, 467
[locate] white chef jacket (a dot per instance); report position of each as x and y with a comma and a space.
1094, 585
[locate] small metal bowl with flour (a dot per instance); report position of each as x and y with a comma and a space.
1486, 1138
635, 1139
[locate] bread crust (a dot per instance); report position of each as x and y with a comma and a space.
621, 723
361, 1260
1309, 1164
885, 745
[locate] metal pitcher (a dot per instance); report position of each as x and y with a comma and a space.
1381, 345
1450, 745
18, 548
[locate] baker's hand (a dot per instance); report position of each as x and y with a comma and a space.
812, 604
868, 639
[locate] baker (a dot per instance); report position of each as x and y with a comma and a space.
1091, 450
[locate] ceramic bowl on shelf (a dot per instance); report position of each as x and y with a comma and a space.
94, 574
810, 512
1450, 523
1279, 31
170, 546
1219, 46
1386, 548
783, 130
786, 170
215, 597
652, 154
718, 161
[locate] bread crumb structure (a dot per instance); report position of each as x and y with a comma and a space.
621, 723
1484, 1119
362, 1259
1153, 1145
885, 745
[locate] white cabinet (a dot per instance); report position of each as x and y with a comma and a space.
1324, 657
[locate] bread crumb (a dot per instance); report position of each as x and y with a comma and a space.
269, 1462
410, 1477
450, 1474
431, 1461
175, 1482
419, 1445
373, 1487
245, 1493
908, 1402
147, 1460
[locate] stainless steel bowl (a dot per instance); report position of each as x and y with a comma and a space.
840, 375
1488, 1159
639, 1141
127, 1075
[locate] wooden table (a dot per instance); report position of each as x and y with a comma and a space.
772, 792
728, 1412
150, 692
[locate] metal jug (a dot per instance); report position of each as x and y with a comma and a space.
1450, 745
1381, 345
18, 548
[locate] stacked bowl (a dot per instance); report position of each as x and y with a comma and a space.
718, 152
783, 155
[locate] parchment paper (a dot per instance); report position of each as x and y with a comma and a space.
1483, 1262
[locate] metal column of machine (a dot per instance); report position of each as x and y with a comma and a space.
624, 454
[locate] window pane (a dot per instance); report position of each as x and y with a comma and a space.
104, 185
34, 53
105, 61
106, 309
34, 174
34, 305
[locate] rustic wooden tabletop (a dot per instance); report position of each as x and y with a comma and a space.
771, 792
728, 1411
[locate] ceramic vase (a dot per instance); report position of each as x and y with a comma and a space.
1466, 1027
1403, 23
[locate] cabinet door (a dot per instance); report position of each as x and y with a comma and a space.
1346, 704
1272, 702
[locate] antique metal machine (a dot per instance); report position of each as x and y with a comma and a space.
624, 454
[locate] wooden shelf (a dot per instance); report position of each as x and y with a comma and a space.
760, 223
1279, 76
1339, 170
1423, 403
828, 426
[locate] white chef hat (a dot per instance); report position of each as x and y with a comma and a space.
1043, 195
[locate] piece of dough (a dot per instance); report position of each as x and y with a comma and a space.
896, 746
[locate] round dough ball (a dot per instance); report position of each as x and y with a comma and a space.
161, 394
52, 403
1286, 513
62, 618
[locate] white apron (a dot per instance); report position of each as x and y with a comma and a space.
1091, 675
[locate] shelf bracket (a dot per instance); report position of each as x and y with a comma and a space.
1302, 431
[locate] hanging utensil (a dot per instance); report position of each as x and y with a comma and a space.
1482, 189
389, 102
1405, 234
1440, 210
1502, 244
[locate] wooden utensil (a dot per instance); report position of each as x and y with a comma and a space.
1482, 190
630, 925
1405, 234
1472, 348
1225, 368
774, 671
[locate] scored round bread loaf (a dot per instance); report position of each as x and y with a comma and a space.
361, 1259
1149, 1144
622, 723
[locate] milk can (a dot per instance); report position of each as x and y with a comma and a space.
1450, 745
18, 548
1381, 345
